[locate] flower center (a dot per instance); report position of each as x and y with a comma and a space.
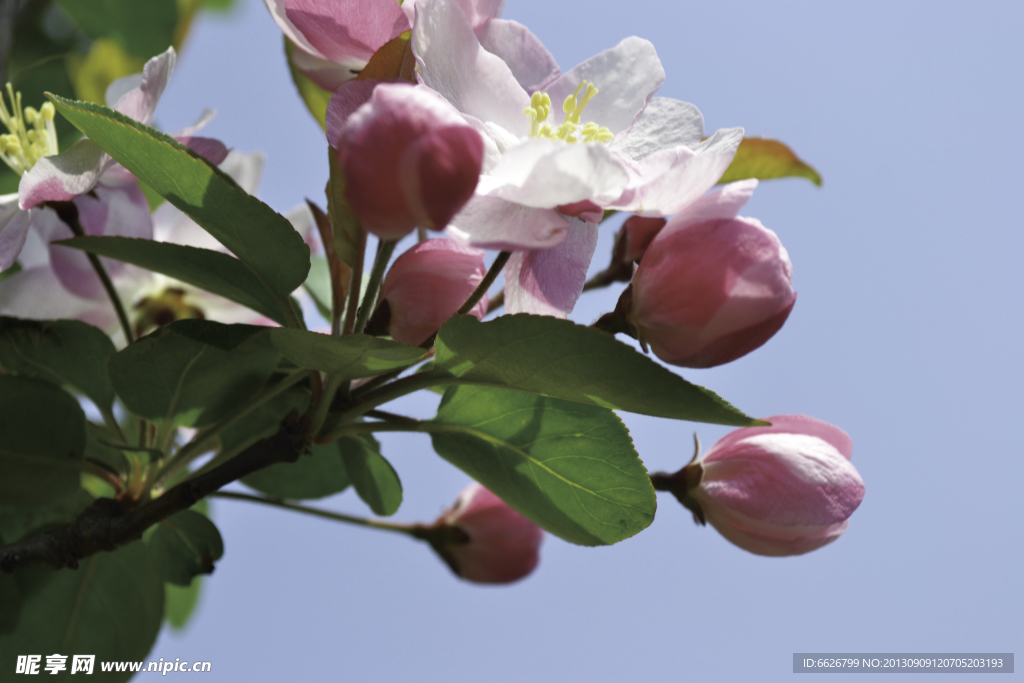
571, 130
31, 136
163, 309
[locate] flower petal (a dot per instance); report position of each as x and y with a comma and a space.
493, 223
790, 424
626, 77
347, 29
549, 281
723, 203
531, 63
35, 294
664, 124
329, 75
13, 230
139, 101
546, 173
344, 102
64, 176
450, 60
280, 14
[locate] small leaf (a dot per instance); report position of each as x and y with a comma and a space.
185, 545
42, 441
560, 359
213, 271
318, 285
111, 606
66, 352
315, 97
192, 372
766, 159
393, 59
99, 446
263, 239
13, 270
316, 475
18, 522
349, 236
568, 467
352, 356
373, 477
180, 602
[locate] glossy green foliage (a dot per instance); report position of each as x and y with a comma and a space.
373, 477
569, 467
767, 159
351, 357
317, 474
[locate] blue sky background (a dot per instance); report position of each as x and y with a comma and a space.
907, 334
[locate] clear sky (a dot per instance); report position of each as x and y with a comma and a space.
907, 334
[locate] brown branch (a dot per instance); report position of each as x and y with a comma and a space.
108, 524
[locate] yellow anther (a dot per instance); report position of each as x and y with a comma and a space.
30, 115
48, 112
570, 130
22, 147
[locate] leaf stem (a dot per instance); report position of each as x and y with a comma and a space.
384, 250
414, 530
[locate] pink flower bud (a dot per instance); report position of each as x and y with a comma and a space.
409, 159
782, 490
428, 284
707, 293
498, 545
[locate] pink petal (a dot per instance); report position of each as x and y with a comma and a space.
36, 294
14, 225
344, 102
64, 176
626, 77
549, 281
790, 424
280, 15
530, 62
493, 223
211, 149
439, 172
140, 101
329, 75
451, 61
723, 203
347, 29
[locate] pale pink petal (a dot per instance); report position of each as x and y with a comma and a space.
64, 176
545, 173
493, 223
347, 29
549, 281
626, 77
329, 75
723, 203
211, 149
140, 101
14, 225
531, 63
481, 12
344, 102
789, 424
664, 124
451, 61
36, 294
280, 15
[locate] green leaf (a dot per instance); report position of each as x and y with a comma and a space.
766, 159
192, 372
568, 467
207, 269
18, 522
318, 284
315, 97
352, 356
560, 359
261, 423
185, 545
263, 239
373, 477
141, 28
349, 236
66, 352
42, 441
111, 606
180, 602
98, 446
316, 475
10, 604
13, 270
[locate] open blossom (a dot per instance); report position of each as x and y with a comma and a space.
781, 490
497, 544
427, 284
712, 287
336, 38
546, 181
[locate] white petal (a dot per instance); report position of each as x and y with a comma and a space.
277, 11
450, 60
13, 230
626, 77
723, 203
530, 62
139, 102
549, 281
493, 223
64, 176
665, 123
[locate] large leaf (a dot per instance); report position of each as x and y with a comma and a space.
569, 467
141, 28
560, 359
110, 607
261, 423
262, 238
373, 477
42, 440
184, 546
18, 522
766, 159
66, 352
352, 356
180, 602
203, 268
317, 474
315, 97
192, 372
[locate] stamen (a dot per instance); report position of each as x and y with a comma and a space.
570, 129
22, 147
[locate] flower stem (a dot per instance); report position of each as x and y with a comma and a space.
413, 530
380, 262
355, 284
